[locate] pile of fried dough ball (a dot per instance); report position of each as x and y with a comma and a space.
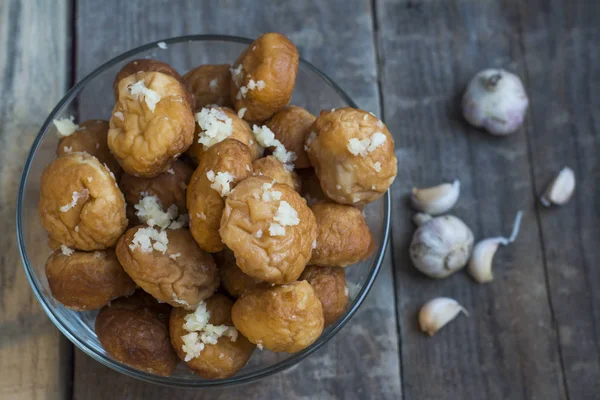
185, 220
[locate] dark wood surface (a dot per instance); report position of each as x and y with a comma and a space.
508, 347
533, 333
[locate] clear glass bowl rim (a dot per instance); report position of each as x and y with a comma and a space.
173, 381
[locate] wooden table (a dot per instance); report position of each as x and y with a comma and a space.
534, 333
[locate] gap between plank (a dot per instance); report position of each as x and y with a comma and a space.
379, 77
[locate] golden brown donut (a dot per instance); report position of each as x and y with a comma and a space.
135, 331
269, 228
90, 138
169, 187
87, 281
215, 361
233, 280
329, 284
311, 187
144, 65
151, 124
80, 203
141, 299
281, 318
53, 244
263, 76
271, 167
343, 236
168, 265
291, 126
228, 159
219, 117
353, 155
210, 85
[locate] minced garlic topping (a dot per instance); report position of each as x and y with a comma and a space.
201, 332
266, 138
84, 194
365, 146
65, 126
148, 239
216, 126
150, 96
150, 211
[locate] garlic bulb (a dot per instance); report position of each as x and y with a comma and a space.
561, 188
441, 246
437, 199
495, 100
437, 312
480, 265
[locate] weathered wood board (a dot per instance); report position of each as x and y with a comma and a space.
35, 359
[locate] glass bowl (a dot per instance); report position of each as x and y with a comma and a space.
92, 98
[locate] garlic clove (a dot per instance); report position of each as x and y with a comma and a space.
437, 199
480, 264
436, 313
420, 218
560, 190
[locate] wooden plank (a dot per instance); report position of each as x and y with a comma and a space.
363, 358
508, 348
35, 359
562, 42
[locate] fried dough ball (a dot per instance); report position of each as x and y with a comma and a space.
233, 280
271, 167
151, 123
90, 138
168, 187
216, 120
144, 65
216, 360
263, 76
329, 284
281, 318
168, 265
135, 331
291, 126
53, 244
311, 187
343, 236
353, 155
221, 168
80, 203
269, 228
210, 85
87, 281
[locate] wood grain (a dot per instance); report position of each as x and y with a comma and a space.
35, 359
508, 347
562, 42
363, 358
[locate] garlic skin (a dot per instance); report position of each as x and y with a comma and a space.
480, 265
436, 313
437, 199
441, 246
560, 190
495, 100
